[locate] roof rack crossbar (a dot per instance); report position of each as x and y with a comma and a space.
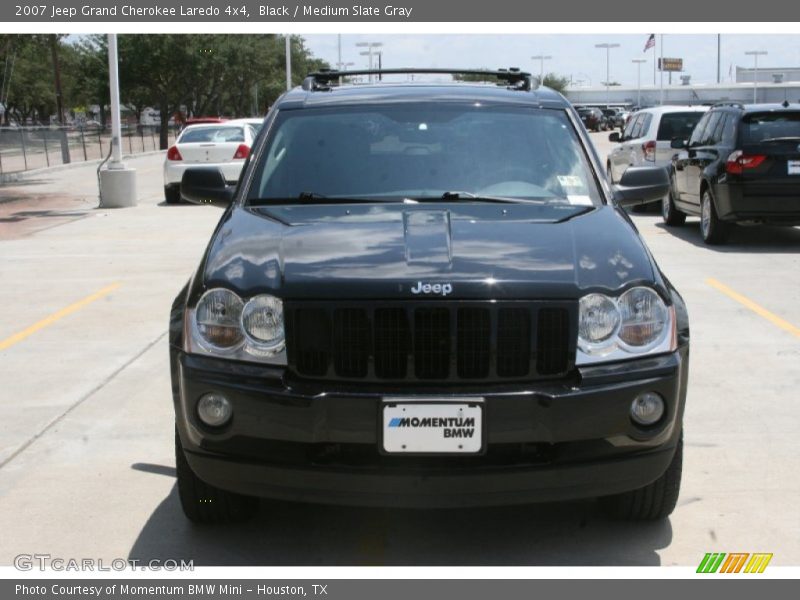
729, 103
513, 77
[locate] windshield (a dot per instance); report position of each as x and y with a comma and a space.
424, 152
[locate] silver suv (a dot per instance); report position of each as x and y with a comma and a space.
647, 137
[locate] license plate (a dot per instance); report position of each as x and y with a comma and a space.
794, 167
431, 427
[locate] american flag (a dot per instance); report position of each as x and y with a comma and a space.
651, 42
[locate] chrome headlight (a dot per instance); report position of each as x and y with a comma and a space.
635, 324
217, 317
262, 321
222, 324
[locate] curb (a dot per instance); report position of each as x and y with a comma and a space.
33, 173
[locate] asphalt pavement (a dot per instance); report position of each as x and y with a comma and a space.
86, 451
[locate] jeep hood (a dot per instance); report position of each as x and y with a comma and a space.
387, 250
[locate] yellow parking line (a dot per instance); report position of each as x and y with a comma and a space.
759, 310
68, 310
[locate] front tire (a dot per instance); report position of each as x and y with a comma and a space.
204, 503
712, 229
652, 502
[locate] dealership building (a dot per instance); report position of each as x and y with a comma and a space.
774, 85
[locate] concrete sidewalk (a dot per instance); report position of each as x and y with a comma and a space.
68, 250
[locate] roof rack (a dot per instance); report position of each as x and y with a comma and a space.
513, 78
734, 104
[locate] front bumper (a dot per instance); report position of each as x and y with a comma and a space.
544, 442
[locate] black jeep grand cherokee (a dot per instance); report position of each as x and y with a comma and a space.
427, 295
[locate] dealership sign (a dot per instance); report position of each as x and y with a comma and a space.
670, 64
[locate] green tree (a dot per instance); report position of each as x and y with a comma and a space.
207, 74
556, 82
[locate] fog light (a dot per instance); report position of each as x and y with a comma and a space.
214, 410
647, 408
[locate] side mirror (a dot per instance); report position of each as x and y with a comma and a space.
206, 185
614, 137
678, 143
640, 185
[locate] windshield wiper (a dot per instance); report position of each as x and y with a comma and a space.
316, 198
455, 196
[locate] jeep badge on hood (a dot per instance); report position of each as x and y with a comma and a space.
432, 288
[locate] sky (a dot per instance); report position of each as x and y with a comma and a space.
573, 56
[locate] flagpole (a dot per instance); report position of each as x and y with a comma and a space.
654, 60
661, 93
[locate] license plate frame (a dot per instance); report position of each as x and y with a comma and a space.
421, 440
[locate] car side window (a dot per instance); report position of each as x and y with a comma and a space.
729, 134
636, 129
708, 134
697, 134
716, 138
648, 119
628, 133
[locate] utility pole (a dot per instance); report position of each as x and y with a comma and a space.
608, 48
57, 77
719, 48
755, 54
288, 62
541, 58
639, 62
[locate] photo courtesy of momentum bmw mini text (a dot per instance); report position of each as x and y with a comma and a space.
310, 299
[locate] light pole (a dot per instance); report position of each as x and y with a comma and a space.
541, 58
369, 46
608, 48
117, 182
639, 62
755, 54
343, 65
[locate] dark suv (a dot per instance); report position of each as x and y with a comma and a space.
427, 295
741, 164
593, 118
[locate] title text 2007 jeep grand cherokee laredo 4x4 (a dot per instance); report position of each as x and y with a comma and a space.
427, 295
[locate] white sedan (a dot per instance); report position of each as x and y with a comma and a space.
221, 145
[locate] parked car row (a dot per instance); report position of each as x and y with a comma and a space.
220, 143
728, 164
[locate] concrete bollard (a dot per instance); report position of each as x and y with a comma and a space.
117, 188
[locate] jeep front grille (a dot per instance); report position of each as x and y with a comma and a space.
430, 341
